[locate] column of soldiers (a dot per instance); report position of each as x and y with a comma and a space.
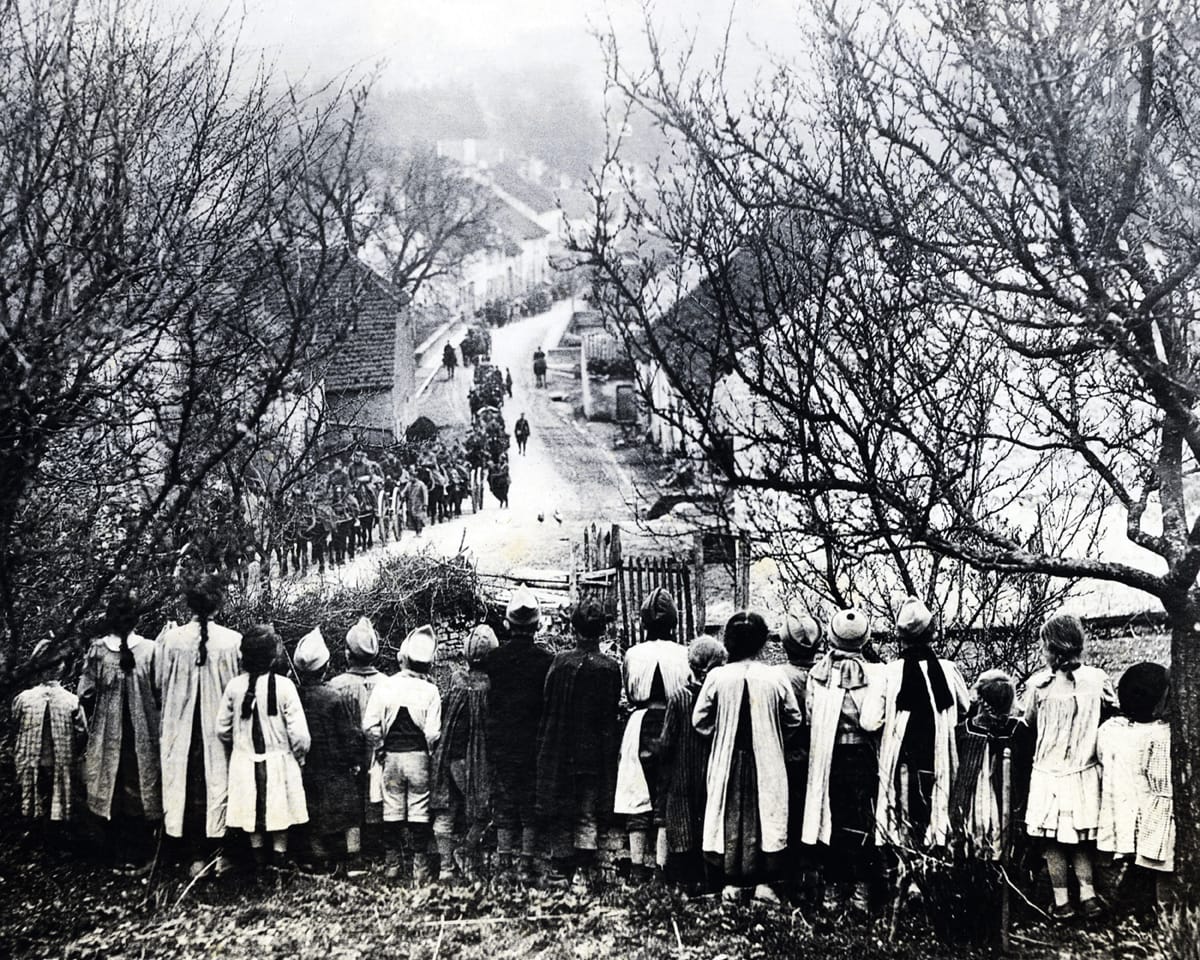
809, 780
339, 513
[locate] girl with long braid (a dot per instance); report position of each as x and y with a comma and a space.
121, 764
194, 665
262, 721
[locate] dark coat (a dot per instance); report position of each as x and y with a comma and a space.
464, 739
330, 786
517, 670
579, 735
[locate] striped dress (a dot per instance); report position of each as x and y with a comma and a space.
679, 805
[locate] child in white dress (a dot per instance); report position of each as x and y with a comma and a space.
1136, 806
1064, 704
262, 720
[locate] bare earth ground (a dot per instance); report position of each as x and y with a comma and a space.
73, 910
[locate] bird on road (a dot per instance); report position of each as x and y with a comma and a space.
541, 517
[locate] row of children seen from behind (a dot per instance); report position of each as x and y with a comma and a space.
800, 776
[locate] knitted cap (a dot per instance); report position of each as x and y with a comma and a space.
523, 608
311, 654
362, 640
914, 618
419, 646
849, 629
479, 643
800, 634
588, 619
659, 614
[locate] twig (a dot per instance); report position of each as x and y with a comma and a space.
188, 889
1042, 913
153, 866
437, 947
678, 938
1030, 940
529, 918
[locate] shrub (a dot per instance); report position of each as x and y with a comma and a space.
407, 591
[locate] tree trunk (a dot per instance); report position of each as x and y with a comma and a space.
1185, 747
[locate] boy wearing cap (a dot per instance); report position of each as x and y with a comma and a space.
331, 768
404, 721
576, 765
361, 677
801, 637
517, 670
920, 702
462, 766
51, 733
842, 763
654, 670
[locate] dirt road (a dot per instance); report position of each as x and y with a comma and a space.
563, 472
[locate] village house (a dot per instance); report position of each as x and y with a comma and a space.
518, 261
369, 381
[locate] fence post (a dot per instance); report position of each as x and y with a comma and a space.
689, 611
698, 581
616, 562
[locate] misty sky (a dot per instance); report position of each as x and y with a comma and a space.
428, 41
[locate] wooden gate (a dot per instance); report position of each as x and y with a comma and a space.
638, 577
594, 567
621, 584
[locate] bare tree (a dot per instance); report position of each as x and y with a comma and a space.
940, 279
165, 262
425, 215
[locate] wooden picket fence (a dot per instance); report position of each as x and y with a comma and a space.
621, 584
638, 577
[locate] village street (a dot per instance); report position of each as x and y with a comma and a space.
565, 476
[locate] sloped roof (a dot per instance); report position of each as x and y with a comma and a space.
365, 358
532, 195
514, 225
697, 335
